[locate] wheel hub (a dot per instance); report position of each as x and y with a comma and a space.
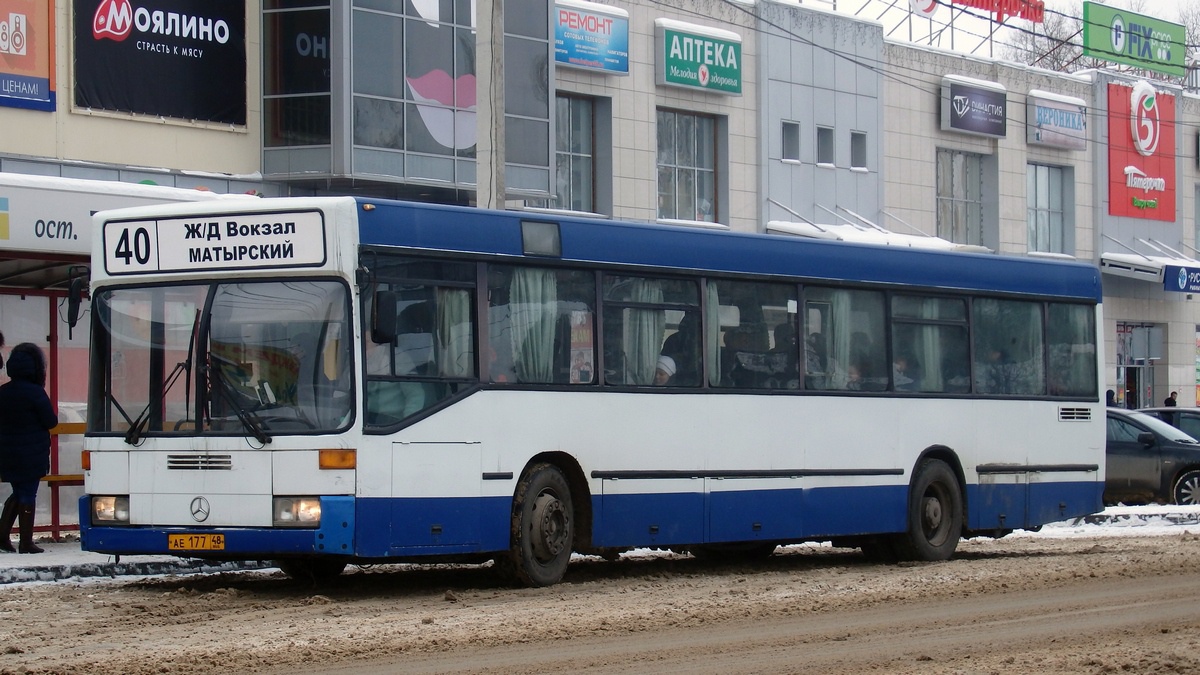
550, 527
932, 513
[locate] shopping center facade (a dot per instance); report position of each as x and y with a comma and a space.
765, 116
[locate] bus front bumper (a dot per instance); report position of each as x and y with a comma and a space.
335, 536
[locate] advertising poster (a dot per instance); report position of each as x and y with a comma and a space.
27, 54
1141, 152
183, 59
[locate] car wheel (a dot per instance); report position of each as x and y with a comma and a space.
1187, 488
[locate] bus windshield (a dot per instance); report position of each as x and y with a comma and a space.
249, 358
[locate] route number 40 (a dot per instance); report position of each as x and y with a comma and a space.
133, 246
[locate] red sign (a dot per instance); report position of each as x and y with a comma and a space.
1030, 10
1141, 152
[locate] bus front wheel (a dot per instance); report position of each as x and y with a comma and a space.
543, 528
935, 514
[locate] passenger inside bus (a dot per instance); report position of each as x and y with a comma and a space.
664, 371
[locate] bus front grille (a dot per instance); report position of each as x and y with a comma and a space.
199, 462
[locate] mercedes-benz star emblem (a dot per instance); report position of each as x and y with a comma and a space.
200, 509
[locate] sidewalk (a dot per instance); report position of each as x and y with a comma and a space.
65, 560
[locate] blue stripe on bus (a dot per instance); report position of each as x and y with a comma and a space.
378, 528
469, 230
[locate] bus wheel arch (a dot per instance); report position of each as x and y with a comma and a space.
544, 526
936, 508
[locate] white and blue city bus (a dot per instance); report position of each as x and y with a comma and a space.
330, 381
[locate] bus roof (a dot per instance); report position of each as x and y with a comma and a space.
594, 240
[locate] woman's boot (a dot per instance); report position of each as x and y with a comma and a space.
7, 518
26, 527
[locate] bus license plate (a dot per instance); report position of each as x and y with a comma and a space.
196, 542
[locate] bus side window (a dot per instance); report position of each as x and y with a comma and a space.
540, 325
636, 311
857, 350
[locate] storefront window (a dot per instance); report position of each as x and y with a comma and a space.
687, 161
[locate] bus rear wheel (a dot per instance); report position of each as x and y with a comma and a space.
935, 514
543, 528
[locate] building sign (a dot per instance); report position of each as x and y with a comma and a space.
215, 242
974, 106
698, 57
1179, 279
591, 36
1115, 35
184, 59
1030, 10
1141, 152
27, 54
1056, 121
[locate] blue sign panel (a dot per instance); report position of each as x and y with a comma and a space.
591, 39
1179, 279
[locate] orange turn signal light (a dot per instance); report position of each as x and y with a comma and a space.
338, 459
85, 459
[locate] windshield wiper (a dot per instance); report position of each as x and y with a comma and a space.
137, 426
248, 419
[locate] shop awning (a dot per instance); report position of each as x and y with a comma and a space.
1176, 274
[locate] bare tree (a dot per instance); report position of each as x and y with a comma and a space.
1054, 44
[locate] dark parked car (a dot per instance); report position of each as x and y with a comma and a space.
1149, 461
1185, 419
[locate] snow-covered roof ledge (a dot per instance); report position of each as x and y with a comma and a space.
869, 235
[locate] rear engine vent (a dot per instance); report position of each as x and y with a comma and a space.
1074, 414
199, 462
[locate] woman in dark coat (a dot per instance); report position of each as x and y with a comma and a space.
26, 417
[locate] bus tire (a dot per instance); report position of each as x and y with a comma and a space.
543, 528
1187, 488
935, 514
314, 570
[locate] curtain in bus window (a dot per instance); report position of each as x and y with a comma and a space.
1071, 332
712, 334
644, 328
455, 355
1009, 356
534, 307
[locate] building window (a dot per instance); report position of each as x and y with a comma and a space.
687, 160
791, 141
960, 197
858, 150
1044, 190
825, 146
574, 153
297, 96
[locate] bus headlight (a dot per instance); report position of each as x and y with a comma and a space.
110, 510
296, 512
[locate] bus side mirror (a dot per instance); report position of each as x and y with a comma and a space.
74, 298
383, 319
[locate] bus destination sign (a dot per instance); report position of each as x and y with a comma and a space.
215, 242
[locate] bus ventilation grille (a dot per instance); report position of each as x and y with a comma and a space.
199, 462
1074, 414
